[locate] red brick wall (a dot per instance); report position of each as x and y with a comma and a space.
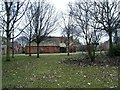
43, 49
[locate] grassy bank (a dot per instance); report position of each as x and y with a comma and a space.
48, 72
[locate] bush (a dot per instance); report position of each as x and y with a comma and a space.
23, 52
115, 51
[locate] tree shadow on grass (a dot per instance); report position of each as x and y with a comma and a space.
99, 61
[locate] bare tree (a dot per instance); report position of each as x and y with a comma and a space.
45, 21
12, 13
68, 30
12, 20
82, 14
108, 16
29, 31
23, 41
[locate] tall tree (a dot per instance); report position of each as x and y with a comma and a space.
108, 15
82, 14
12, 13
12, 20
68, 29
29, 31
45, 21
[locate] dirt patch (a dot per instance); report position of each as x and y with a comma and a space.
99, 61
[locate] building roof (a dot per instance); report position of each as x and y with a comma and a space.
50, 41
15, 44
62, 45
55, 41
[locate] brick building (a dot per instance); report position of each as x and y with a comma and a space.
17, 47
53, 45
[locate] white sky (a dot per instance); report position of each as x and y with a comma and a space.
61, 5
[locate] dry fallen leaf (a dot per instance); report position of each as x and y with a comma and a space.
89, 83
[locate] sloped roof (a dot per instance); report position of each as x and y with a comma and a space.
50, 41
55, 41
15, 44
62, 45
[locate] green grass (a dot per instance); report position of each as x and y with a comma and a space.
47, 72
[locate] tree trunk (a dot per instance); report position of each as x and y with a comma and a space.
8, 36
91, 53
13, 43
110, 43
29, 48
30, 40
38, 50
68, 45
22, 50
8, 48
68, 52
12, 47
116, 37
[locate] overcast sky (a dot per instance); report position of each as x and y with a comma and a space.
60, 5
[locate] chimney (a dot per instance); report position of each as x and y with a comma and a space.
62, 39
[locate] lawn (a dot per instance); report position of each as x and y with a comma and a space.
48, 72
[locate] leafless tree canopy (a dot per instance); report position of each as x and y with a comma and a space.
108, 15
95, 17
11, 15
87, 26
44, 22
68, 29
